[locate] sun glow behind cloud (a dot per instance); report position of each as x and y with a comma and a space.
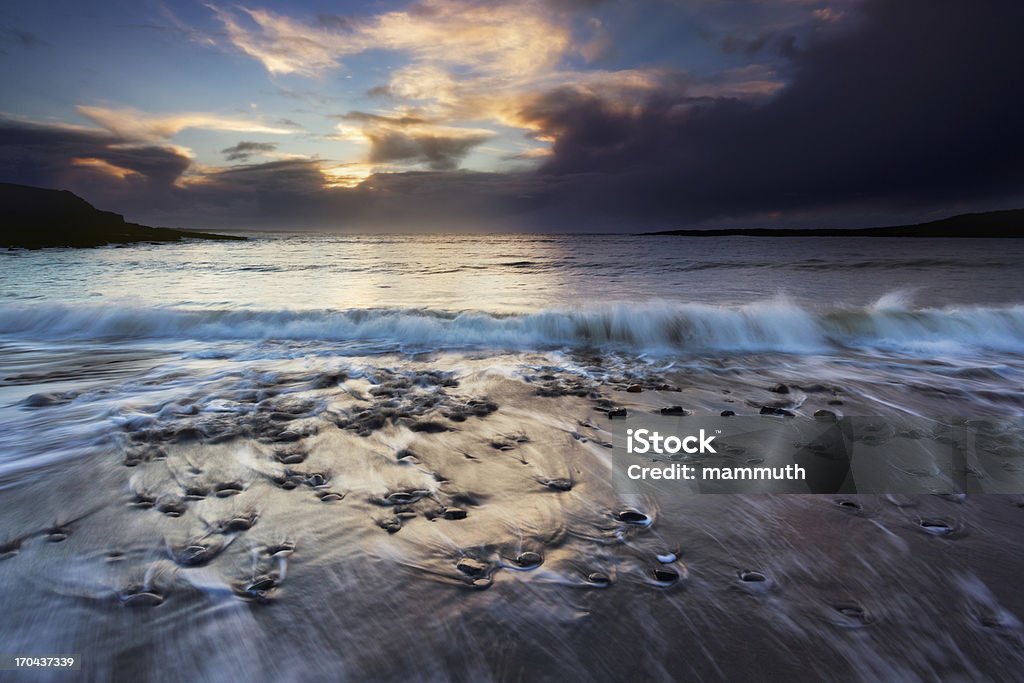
531, 109
465, 83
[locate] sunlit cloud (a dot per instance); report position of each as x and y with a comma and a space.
410, 140
346, 175
104, 167
133, 124
512, 40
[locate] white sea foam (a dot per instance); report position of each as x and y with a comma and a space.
772, 325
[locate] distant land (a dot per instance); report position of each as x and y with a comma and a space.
34, 218
992, 224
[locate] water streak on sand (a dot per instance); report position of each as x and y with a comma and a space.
244, 473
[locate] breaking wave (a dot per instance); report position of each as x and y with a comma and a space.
773, 325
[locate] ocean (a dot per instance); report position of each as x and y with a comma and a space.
387, 457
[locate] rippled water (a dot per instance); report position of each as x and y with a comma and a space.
387, 458
514, 273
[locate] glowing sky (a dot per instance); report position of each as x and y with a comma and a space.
449, 112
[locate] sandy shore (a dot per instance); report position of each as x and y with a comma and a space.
452, 517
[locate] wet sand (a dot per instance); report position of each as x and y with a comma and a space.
451, 516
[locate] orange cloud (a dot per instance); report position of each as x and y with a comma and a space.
133, 124
104, 167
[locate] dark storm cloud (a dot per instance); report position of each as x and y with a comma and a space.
52, 155
915, 102
439, 152
415, 140
243, 150
364, 117
898, 109
291, 195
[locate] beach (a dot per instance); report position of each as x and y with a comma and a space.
389, 458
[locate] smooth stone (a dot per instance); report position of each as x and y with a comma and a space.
392, 526
262, 584
141, 599
665, 575
172, 508
675, 410
779, 389
316, 480
227, 489
630, 516
936, 527
291, 457
634, 389
472, 567
599, 579
403, 497
195, 493
752, 577
616, 413
728, 413
666, 558
529, 559
239, 524
558, 484
195, 555
772, 410
455, 513
825, 415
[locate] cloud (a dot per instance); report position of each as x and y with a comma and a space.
914, 103
508, 40
133, 124
888, 108
409, 140
243, 150
119, 174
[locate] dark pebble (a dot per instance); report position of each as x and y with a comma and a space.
665, 575
825, 415
634, 389
779, 389
227, 489
140, 598
291, 457
772, 410
454, 513
630, 516
616, 413
529, 559
728, 413
675, 410
472, 567
936, 527
172, 508
391, 525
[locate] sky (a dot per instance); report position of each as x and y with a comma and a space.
538, 115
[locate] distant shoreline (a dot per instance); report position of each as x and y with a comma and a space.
37, 218
990, 225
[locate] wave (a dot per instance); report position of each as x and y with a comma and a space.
774, 325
